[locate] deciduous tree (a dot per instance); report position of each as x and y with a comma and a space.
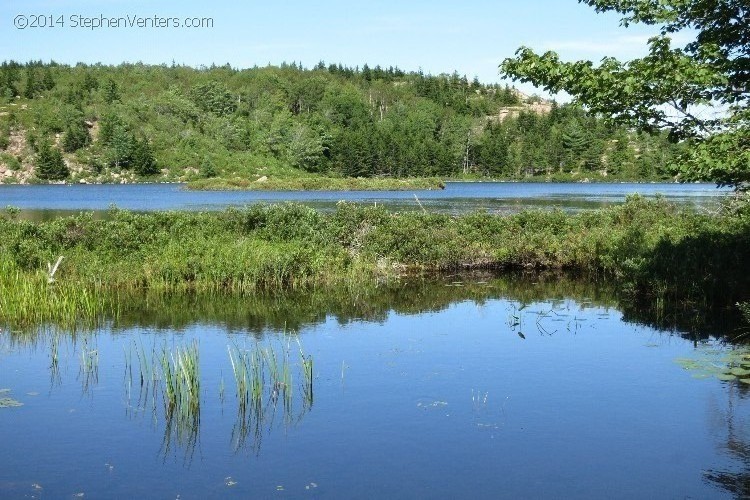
667, 88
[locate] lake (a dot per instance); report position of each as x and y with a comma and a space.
45, 201
468, 386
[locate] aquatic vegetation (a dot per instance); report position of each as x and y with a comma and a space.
172, 375
725, 364
263, 379
31, 299
659, 257
6, 401
181, 378
89, 367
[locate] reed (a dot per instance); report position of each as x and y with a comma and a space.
656, 254
263, 377
89, 367
173, 376
31, 299
180, 377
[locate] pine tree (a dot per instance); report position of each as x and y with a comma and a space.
208, 169
143, 161
50, 164
31, 86
111, 91
48, 81
76, 136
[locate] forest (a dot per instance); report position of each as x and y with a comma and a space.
137, 122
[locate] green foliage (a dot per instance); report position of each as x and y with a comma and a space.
4, 135
10, 161
330, 121
121, 145
9, 75
305, 149
49, 164
662, 89
110, 125
142, 158
32, 87
213, 97
659, 258
207, 170
723, 157
111, 91
76, 135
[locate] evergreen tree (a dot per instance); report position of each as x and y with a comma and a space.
143, 161
90, 82
31, 87
213, 97
76, 136
111, 91
48, 81
207, 169
50, 164
121, 148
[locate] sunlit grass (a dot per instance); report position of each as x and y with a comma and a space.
651, 250
263, 376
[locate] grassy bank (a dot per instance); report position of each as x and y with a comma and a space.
654, 252
317, 184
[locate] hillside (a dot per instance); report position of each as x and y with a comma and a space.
136, 122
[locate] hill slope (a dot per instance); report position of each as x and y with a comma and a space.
137, 122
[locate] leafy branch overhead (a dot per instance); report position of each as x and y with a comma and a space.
671, 87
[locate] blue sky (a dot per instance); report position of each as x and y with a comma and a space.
469, 36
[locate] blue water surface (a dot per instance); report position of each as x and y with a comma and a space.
457, 197
478, 399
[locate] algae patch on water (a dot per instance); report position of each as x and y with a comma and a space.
7, 402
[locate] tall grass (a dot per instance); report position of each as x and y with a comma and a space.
89, 364
650, 249
28, 299
173, 376
181, 378
263, 376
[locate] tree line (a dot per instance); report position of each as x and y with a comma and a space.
288, 120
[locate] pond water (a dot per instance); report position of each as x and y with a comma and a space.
44, 201
467, 387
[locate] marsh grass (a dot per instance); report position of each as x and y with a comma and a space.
89, 364
29, 299
181, 378
263, 376
171, 375
659, 256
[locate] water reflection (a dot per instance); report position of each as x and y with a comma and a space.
734, 426
264, 378
297, 310
42, 202
495, 373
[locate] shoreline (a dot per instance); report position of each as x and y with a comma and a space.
652, 251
